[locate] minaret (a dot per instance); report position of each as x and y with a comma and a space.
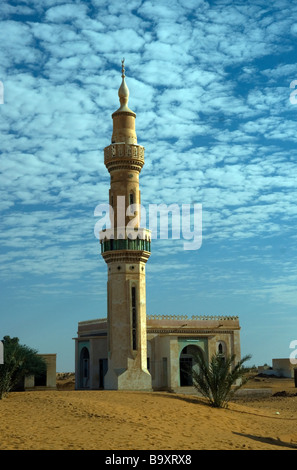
125, 248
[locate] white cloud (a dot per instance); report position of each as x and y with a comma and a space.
209, 83
65, 12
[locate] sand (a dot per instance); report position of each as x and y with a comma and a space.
115, 420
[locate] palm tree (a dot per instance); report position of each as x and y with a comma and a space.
216, 381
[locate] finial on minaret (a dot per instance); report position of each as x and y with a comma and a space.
123, 91
123, 67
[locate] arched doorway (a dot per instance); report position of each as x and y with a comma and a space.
186, 364
84, 367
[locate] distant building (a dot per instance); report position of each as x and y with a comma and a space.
46, 381
129, 350
280, 368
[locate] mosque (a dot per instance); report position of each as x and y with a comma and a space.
129, 350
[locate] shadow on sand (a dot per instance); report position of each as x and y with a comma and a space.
268, 440
187, 399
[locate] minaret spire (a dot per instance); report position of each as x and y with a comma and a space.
123, 92
124, 118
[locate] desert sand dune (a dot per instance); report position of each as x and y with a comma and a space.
116, 420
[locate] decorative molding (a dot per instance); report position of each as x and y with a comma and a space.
124, 155
124, 165
186, 333
125, 113
121, 233
126, 256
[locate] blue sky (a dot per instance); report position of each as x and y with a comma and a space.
210, 84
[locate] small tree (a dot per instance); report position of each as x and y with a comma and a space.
20, 361
216, 381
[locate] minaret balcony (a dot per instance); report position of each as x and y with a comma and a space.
121, 152
127, 240
125, 244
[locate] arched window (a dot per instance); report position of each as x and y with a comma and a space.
221, 349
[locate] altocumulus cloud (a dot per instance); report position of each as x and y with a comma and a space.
209, 82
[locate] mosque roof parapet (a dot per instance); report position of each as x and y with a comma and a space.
193, 317
169, 317
163, 323
214, 317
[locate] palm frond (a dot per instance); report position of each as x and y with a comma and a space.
218, 380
